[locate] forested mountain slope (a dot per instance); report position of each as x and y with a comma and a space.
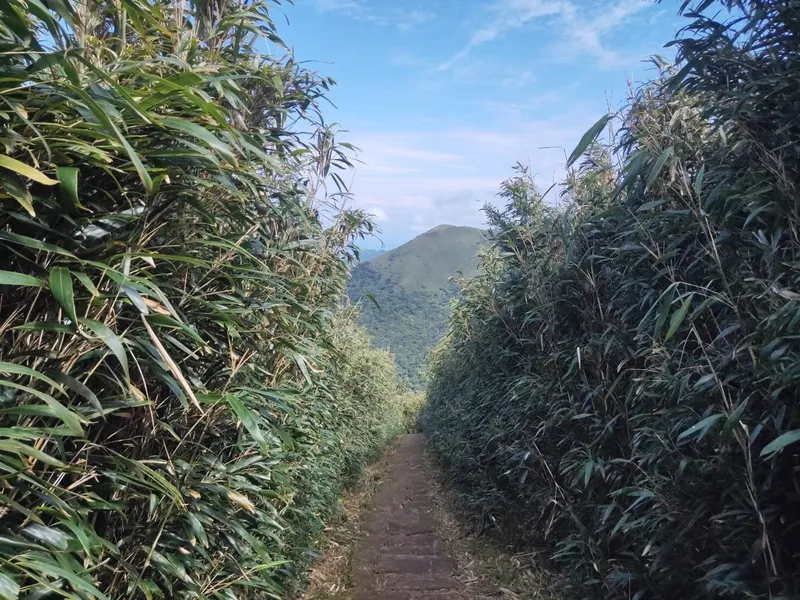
411, 286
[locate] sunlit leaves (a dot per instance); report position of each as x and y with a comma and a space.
145, 158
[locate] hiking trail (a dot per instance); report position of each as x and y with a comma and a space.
400, 556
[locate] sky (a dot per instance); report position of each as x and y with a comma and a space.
444, 97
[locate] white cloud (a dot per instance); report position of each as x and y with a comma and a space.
363, 10
378, 213
422, 179
580, 34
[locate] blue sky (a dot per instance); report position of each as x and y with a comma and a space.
443, 97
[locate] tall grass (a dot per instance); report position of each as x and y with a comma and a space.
172, 421
620, 382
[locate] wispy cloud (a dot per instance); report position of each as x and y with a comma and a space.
419, 179
362, 10
511, 14
582, 29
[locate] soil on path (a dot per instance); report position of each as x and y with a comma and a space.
400, 556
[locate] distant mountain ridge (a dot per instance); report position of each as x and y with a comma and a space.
365, 254
411, 285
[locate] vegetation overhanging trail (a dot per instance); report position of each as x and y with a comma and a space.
182, 393
619, 383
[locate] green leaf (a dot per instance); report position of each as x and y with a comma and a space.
202, 134
301, 362
61, 286
68, 176
15, 369
110, 339
87, 283
780, 442
698, 181
651, 205
42, 564
17, 447
9, 589
701, 427
197, 529
48, 535
135, 297
26, 171
248, 420
678, 316
372, 299
587, 472
101, 115
51, 326
658, 165
78, 387
588, 138
19, 190
734, 418
13, 278
663, 311
54, 408
29, 242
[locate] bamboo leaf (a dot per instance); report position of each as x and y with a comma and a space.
48, 535
110, 339
663, 311
588, 138
19, 279
248, 420
780, 442
26, 171
53, 569
101, 115
79, 388
202, 134
19, 190
29, 242
61, 287
678, 317
68, 177
701, 427
87, 283
655, 170
53, 409
9, 589
698, 181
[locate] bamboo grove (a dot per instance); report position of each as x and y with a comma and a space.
619, 385
177, 382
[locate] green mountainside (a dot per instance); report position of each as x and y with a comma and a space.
410, 285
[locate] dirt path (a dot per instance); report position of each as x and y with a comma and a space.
399, 556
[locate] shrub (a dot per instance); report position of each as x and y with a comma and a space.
169, 424
619, 384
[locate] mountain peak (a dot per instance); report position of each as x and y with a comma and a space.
440, 228
412, 287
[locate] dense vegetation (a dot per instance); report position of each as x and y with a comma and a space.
620, 382
405, 293
177, 383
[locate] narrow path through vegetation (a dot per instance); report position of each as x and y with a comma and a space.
400, 556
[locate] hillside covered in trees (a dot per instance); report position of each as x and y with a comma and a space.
405, 293
182, 396
619, 383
